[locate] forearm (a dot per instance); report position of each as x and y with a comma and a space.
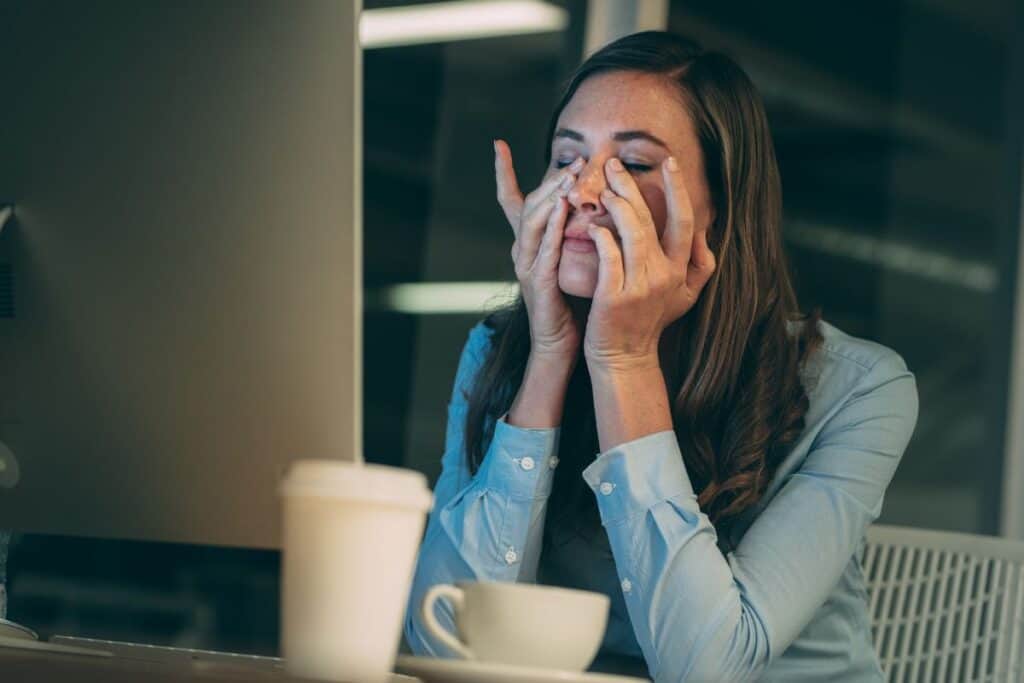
486, 537
675, 540
691, 619
629, 402
489, 529
540, 402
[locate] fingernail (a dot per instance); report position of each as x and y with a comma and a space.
615, 164
566, 183
577, 165
671, 164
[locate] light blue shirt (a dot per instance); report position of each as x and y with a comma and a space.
787, 604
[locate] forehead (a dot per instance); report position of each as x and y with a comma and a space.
611, 102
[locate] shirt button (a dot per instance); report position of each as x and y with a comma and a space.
606, 488
527, 463
553, 462
511, 556
627, 585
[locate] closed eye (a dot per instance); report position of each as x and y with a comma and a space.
635, 168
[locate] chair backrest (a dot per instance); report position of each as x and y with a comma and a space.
945, 606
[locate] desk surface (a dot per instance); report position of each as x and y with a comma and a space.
25, 665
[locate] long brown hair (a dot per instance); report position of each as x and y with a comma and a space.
731, 363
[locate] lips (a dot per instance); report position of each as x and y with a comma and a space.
577, 234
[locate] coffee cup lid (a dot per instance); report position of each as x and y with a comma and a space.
358, 481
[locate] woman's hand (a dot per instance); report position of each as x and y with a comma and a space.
538, 222
647, 284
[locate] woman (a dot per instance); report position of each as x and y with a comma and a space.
653, 418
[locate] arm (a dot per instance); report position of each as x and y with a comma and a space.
487, 527
701, 616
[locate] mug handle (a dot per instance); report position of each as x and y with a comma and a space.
457, 597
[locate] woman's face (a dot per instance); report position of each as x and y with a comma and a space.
638, 118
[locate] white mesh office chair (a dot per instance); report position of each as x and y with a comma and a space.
946, 607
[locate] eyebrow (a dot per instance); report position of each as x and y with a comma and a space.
621, 136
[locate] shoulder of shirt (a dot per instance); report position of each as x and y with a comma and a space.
841, 348
846, 366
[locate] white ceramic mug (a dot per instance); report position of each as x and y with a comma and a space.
520, 624
351, 532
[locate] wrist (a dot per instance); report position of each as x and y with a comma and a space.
540, 401
648, 363
630, 401
558, 364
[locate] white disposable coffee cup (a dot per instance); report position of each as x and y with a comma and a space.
520, 624
350, 537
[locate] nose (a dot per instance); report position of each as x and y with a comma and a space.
585, 194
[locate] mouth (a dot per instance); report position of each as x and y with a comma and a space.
577, 234
577, 239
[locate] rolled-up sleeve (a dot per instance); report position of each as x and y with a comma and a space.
702, 616
487, 527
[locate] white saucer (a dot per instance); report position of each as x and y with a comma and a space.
432, 670
8, 629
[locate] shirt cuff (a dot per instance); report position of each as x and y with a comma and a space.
631, 478
520, 462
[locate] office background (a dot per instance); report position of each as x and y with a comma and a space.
898, 129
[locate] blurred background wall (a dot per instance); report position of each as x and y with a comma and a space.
898, 130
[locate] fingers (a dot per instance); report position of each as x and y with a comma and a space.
509, 196
551, 245
532, 227
677, 239
538, 209
635, 240
563, 180
633, 219
610, 275
621, 182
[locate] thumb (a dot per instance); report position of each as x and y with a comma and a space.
509, 195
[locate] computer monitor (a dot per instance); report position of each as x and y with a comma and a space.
183, 262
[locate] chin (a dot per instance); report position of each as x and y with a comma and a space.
576, 281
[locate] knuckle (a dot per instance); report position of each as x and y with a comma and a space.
631, 297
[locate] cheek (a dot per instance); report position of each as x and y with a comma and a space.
654, 196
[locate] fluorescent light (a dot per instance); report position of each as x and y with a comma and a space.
461, 20
442, 297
